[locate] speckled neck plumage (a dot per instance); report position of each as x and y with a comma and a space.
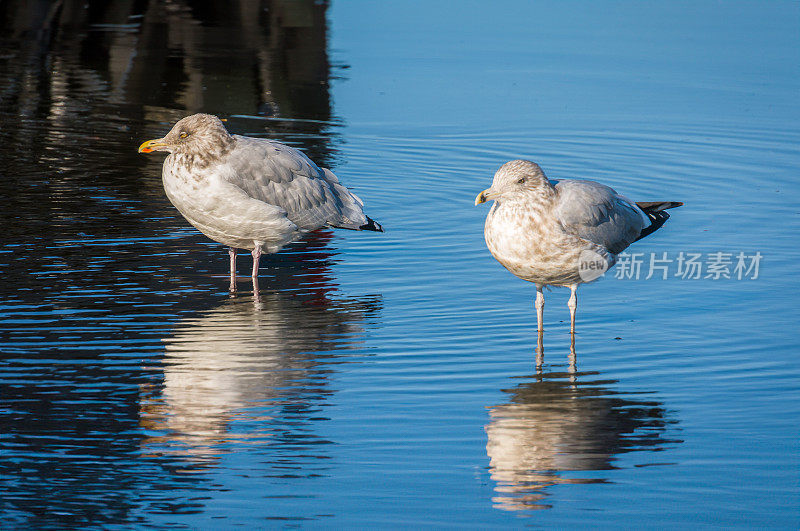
213, 147
537, 198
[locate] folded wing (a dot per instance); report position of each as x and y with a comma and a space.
283, 176
597, 213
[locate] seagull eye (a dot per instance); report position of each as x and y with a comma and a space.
521, 181
184, 134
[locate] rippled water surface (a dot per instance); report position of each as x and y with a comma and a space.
388, 379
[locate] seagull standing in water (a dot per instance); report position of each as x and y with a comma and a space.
250, 193
561, 233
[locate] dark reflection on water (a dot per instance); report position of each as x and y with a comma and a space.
269, 55
565, 428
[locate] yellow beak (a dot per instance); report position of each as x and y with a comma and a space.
483, 197
152, 145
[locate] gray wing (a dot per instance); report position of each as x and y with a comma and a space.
285, 177
597, 213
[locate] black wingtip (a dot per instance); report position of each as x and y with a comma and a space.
657, 206
372, 225
656, 212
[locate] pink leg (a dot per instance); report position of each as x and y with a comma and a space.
232, 254
572, 303
540, 308
256, 256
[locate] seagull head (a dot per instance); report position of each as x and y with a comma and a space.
196, 134
517, 178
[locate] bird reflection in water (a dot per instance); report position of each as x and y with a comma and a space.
256, 372
556, 424
573, 357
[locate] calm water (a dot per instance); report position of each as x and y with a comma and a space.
388, 379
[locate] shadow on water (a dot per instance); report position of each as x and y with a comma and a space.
124, 362
562, 428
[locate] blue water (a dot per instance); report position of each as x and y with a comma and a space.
388, 380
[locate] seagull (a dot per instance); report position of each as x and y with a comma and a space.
561, 233
250, 193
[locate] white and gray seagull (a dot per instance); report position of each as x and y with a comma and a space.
250, 193
561, 233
